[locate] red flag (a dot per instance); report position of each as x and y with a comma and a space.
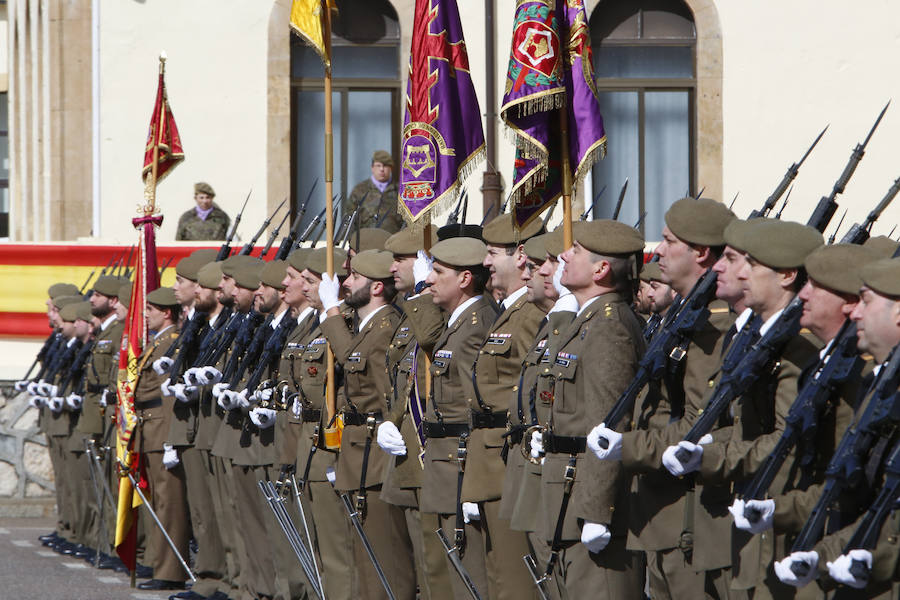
163, 134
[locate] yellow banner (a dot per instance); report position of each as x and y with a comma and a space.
308, 21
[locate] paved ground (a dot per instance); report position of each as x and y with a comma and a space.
29, 570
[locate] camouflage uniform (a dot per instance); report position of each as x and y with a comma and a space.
191, 227
375, 205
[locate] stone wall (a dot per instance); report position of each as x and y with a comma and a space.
25, 470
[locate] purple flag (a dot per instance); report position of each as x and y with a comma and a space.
442, 134
550, 68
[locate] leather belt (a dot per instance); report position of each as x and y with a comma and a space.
358, 419
148, 404
515, 434
488, 420
95, 388
564, 444
444, 430
311, 415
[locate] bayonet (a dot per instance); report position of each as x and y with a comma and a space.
700, 193
789, 176
86, 281
274, 235
225, 250
838, 228
165, 266
784, 204
248, 247
733, 200
640, 221
588, 210
859, 233
487, 215
620, 200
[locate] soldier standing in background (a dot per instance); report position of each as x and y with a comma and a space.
206, 221
376, 197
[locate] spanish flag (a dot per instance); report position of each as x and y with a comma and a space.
308, 21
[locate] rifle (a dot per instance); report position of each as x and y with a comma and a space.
827, 206
346, 236
105, 269
271, 351
290, 240
242, 339
86, 281
453, 218
784, 204
621, 199
41, 355
846, 468
165, 266
700, 193
640, 220
75, 371
836, 229
304, 236
733, 200
590, 209
859, 233
221, 342
487, 215
186, 343
322, 230
250, 353
789, 176
225, 250
248, 247
274, 235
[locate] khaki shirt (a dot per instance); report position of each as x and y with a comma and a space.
192, 227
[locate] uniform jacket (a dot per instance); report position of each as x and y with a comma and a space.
192, 227
155, 410
375, 206
99, 372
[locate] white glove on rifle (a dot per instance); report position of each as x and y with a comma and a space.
190, 376
162, 365
595, 536
764, 508
37, 402
613, 450
56, 404
47, 389
264, 394
329, 291
422, 266
209, 375
104, 398
785, 572
74, 402
184, 393
262, 417
470, 512
166, 389
390, 440
241, 400
840, 568
22, 385
170, 456
671, 461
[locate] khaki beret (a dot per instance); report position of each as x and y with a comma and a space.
62, 289
384, 157
69, 312
248, 276
502, 232
536, 248
374, 264
451, 231
62, 301
316, 261
838, 266
298, 258
205, 255
83, 311
882, 245
605, 236
701, 221
405, 241
651, 272
162, 296
233, 262
125, 294
460, 252
777, 244
734, 234
108, 285
189, 266
209, 275
274, 273
555, 243
370, 238
883, 276
201, 187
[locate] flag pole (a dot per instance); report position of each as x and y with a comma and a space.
566, 178
150, 207
330, 392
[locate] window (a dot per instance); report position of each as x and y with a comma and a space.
644, 66
365, 99
4, 165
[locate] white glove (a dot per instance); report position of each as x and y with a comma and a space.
329, 290
56, 404
74, 402
190, 377
219, 390
676, 467
170, 456
557, 279
613, 450
184, 393
104, 398
330, 475
537, 444
422, 266
840, 568
296, 406
595, 536
166, 389
241, 400
765, 509
22, 385
37, 402
470, 512
48, 389
209, 375
162, 365
32, 388
262, 417
390, 440
565, 303
263, 394
783, 568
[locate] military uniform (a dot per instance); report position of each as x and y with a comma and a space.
376, 206
192, 227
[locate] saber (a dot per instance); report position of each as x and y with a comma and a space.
98, 498
453, 555
296, 488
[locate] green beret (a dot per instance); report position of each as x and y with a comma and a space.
555, 243
374, 264
210, 275
316, 261
882, 245
125, 294
83, 311
536, 248
604, 236
298, 257
370, 238
162, 296
201, 187
247, 276
384, 157
406, 241
734, 234
651, 272
837, 267
62, 289
460, 252
883, 276
69, 312
778, 244
238, 260
188, 267
205, 255
502, 232
108, 285
700, 221
273, 274
62, 301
